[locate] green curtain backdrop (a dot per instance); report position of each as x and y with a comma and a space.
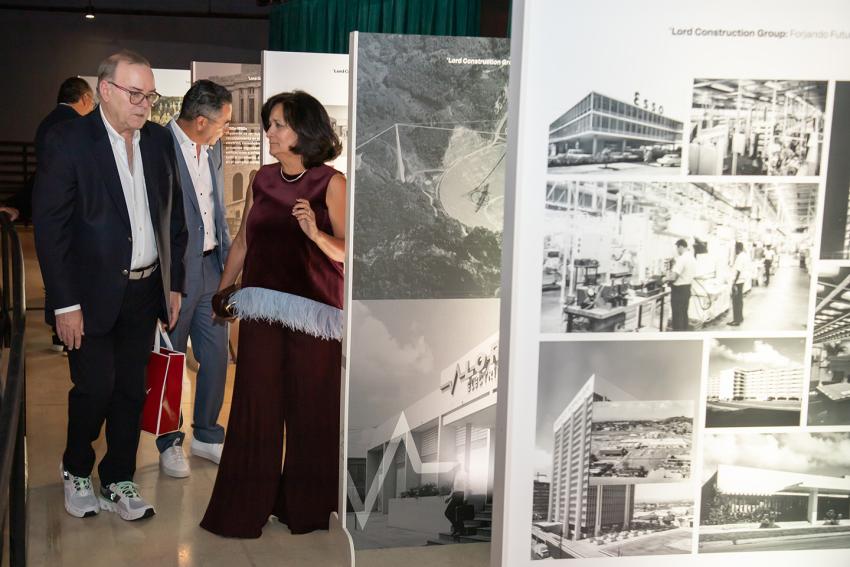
322, 26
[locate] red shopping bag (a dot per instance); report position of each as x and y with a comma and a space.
161, 412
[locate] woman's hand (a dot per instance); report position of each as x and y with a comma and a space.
306, 218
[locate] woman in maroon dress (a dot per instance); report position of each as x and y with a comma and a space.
289, 250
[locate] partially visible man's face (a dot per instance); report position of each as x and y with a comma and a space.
116, 101
88, 103
680, 250
214, 128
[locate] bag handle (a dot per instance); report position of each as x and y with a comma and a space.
160, 332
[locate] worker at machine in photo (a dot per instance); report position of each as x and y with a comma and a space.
740, 270
680, 277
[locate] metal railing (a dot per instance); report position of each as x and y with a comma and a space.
12, 398
17, 166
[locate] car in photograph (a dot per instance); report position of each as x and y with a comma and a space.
671, 160
577, 157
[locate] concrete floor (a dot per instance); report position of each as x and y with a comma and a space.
172, 537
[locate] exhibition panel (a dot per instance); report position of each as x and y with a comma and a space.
241, 143
323, 75
673, 380
426, 186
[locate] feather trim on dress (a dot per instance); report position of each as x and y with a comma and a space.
292, 311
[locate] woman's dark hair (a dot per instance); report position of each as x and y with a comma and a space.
317, 140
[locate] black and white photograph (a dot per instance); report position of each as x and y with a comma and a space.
775, 492
755, 382
757, 127
339, 120
631, 256
835, 235
829, 383
430, 166
600, 405
241, 143
421, 422
641, 441
620, 133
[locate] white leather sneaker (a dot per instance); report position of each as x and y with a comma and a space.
80, 500
124, 499
173, 462
208, 451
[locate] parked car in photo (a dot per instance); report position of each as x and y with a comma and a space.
671, 160
576, 157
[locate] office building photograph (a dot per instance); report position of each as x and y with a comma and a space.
775, 491
422, 422
757, 127
835, 234
579, 386
755, 382
829, 383
603, 134
611, 255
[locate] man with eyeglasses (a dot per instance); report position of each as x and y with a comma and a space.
110, 238
204, 117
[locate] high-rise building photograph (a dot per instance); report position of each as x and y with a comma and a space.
755, 382
581, 449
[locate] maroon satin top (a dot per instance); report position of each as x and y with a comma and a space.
279, 255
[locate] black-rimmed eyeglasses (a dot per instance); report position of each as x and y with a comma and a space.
136, 97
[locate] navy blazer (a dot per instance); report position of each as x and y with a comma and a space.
61, 113
82, 229
192, 210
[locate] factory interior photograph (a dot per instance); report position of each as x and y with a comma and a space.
612, 251
754, 127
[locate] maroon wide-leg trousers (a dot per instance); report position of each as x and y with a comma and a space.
283, 379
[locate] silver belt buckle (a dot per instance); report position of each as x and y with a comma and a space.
143, 273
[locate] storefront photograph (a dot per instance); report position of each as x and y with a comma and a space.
671, 256
422, 419
775, 491
755, 382
757, 127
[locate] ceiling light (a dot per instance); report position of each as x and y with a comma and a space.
89, 14
843, 305
722, 87
846, 296
829, 312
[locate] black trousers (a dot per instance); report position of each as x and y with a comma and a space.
108, 373
680, 299
767, 266
738, 303
455, 502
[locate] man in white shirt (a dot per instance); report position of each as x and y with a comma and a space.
740, 272
110, 238
681, 277
204, 117
769, 258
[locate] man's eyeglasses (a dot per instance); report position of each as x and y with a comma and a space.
136, 97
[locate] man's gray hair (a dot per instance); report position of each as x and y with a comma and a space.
204, 98
106, 69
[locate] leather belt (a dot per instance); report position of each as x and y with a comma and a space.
210, 251
143, 273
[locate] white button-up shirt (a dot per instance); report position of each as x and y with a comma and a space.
199, 171
144, 252
136, 196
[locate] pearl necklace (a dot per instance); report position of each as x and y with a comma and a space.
294, 179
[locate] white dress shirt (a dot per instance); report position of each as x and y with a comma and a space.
199, 171
685, 267
144, 251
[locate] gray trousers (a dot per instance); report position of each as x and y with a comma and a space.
209, 343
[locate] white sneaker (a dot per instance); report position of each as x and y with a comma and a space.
209, 451
173, 462
124, 499
80, 500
